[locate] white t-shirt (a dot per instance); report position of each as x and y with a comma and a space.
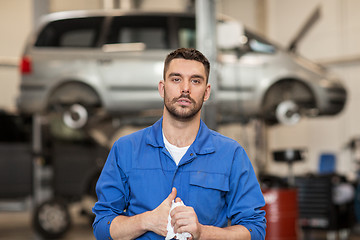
176, 152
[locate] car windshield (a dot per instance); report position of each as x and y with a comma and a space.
255, 43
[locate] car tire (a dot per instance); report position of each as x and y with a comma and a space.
51, 219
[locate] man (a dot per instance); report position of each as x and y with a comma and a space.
179, 158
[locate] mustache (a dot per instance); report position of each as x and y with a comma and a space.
183, 96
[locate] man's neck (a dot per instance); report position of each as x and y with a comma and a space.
180, 133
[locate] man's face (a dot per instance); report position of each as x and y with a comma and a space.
185, 89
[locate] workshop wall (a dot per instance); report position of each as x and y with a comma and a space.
334, 42
15, 25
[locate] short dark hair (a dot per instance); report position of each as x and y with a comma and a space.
188, 54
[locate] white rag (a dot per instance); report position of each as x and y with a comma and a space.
170, 229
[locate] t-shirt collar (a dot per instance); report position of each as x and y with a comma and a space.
203, 143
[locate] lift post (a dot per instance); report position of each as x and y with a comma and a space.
206, 43
41, 174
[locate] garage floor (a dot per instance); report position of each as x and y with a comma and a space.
17, 226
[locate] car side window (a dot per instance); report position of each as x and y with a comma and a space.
148, 30
76, 32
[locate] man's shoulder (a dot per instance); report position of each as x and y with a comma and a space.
222, 139
132, 137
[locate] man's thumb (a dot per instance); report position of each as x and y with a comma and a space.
172, 195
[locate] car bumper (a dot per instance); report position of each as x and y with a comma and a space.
31, 101
335, 100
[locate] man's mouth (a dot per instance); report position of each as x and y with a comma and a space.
184, 100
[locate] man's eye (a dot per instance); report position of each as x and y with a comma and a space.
196, 81
176, 79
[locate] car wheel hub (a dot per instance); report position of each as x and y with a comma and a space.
76, 116
287, 113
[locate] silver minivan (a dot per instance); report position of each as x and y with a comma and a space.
82, 62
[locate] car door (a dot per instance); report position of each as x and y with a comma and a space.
131, 61
239, 76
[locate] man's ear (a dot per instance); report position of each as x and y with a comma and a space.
207, 92
161, 86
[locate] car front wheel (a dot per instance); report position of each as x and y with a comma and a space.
287, 113
286, 102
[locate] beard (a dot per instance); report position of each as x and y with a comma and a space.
183, 113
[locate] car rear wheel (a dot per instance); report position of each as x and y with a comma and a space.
76, 116
71, 108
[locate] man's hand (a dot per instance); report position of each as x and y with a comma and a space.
124, 227
157, 219
184, 219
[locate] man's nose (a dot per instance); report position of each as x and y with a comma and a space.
185, 88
